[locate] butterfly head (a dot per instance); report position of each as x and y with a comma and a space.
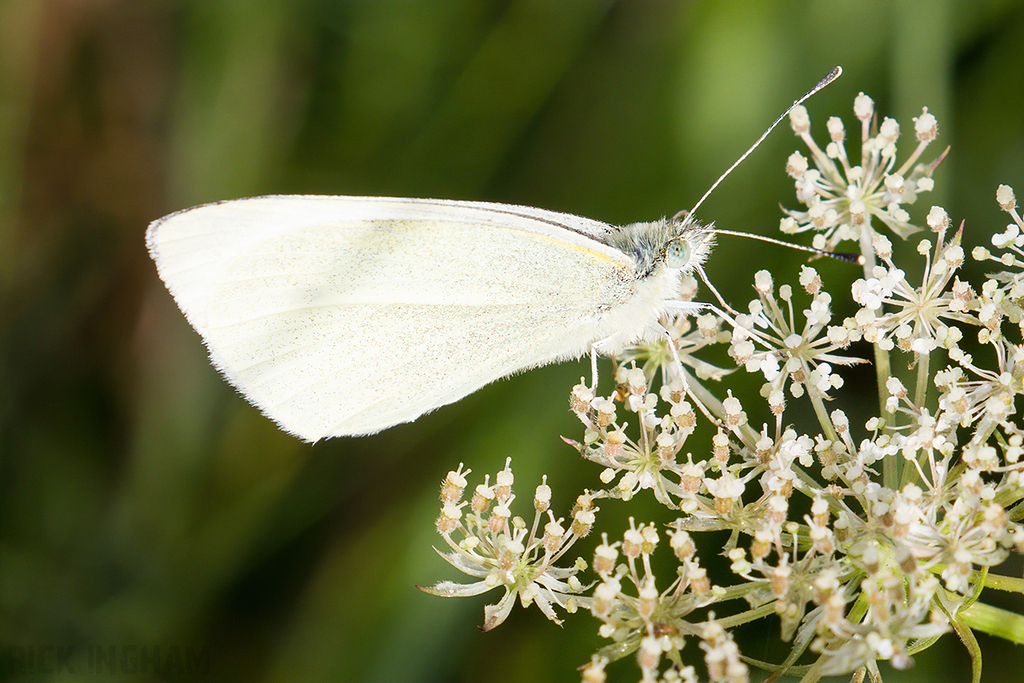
681, 244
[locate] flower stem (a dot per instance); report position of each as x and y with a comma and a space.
923, 378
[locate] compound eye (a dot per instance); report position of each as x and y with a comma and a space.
678, 253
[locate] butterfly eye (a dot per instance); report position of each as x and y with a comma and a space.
678, 253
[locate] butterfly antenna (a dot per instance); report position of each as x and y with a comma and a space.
832, 75
838, 255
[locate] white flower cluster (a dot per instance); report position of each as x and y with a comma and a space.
501, 550
842, 197
868, 543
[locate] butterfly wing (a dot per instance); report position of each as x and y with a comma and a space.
346, 315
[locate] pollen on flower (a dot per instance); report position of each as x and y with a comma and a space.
649, 654
582, 522
763, 281
632, 543
836, 131
650, 538
682, 544
739, 565
889, 132
741, 350
554, 532
799, 120
605, 411
938, 219
953, 256
777, 402
503, 482
797, 165
1005, 198
734, 415
882, 246
448, 520
926, 127
720, 450
895, 387
726, 491
895, 185
810, 280
542, 497
648, 598
579, 400
637, 381
605, 557
483, 495
498, 521
863, 107
453, 485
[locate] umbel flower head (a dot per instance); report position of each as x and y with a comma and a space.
843, 196
503, 552
866, 542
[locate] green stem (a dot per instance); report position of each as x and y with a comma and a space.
822, 414
923, 378
920, 398
890, 466
995, 621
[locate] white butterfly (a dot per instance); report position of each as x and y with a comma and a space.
347, 315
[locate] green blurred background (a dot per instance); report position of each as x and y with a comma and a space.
143, 503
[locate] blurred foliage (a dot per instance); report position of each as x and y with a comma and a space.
142, 503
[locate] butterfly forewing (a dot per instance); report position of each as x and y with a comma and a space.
344, 316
